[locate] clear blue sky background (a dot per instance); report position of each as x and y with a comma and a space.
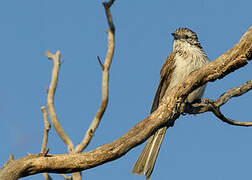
197, 147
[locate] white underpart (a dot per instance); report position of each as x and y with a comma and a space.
195, 59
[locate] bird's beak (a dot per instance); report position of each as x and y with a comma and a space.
174, 35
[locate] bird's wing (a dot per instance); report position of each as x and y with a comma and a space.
165, 78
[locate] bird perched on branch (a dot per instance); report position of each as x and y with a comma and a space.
187, 55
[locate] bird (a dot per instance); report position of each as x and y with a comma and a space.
187, 56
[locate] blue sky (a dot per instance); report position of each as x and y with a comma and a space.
197, 147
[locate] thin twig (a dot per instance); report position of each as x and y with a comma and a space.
10, 159
105, 82
47, 127
76, 176
107, 6
66, 177
47, 176
235, 92
218, 113
214, 106
45, 152
50, 100
99, 60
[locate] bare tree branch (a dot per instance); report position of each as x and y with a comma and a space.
107, 6
66, 177
99, 60
105, 81
50, 104
103, 106
50, 100
235, 92
76, 176
11, 158
214, 106
47, 176
166, 114
46, 129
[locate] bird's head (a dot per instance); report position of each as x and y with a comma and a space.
186, 35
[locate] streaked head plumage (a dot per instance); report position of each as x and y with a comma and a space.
186, 35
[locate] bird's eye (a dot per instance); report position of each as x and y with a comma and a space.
186, 36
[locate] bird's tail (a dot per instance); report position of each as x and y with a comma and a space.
147, 159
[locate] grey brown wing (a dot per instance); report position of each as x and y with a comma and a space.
157, 96
165, 78
147, 159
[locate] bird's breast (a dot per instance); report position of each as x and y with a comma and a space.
184, 65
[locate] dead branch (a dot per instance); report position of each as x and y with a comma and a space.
107, 6
166, 114
47, 127
105, 80
50, 104
47, 176
214, 106
103, 106
76, 176
50, 100
66, 177
11, 158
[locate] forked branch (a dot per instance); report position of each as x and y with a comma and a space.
50, 100
214, 106
105, 80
